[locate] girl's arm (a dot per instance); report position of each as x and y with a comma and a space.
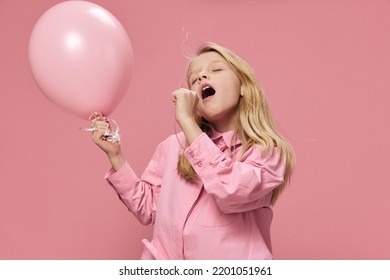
139, 196
237, 186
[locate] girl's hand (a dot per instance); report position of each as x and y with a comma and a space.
187, 112
113, 150
186, 105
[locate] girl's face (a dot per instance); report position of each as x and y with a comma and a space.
218, 88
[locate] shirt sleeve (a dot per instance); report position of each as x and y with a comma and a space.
140, 195
237, 186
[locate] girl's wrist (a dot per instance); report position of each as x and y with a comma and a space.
117, 161
191, 130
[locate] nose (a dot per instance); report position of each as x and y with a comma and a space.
203, 76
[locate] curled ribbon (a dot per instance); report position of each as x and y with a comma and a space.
112, 132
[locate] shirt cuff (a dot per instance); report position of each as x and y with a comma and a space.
121, 180
203, 154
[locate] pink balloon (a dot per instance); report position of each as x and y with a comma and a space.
81, 58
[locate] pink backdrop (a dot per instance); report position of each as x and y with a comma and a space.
325, 67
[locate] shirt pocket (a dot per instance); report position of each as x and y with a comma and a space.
208, 214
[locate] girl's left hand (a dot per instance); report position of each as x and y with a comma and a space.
186, 105
187, 112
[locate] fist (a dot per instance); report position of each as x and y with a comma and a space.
186, 104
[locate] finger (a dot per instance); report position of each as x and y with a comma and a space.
181, 92
100, 129
99, 137
99, 125
174, 97
98, 117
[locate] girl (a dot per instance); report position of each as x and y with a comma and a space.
208, 189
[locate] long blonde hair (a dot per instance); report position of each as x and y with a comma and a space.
254, 120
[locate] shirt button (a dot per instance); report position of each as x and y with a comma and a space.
199, 164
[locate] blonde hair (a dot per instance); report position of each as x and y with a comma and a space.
254, 120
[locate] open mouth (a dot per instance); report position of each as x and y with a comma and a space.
207, 91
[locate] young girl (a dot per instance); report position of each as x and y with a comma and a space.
208, 189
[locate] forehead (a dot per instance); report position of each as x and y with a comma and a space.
205, 59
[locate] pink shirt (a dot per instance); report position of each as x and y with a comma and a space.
224, 214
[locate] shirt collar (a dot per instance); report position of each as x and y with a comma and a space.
227, 138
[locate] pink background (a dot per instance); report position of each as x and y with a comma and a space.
324, 66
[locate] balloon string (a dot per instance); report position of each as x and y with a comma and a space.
111, 134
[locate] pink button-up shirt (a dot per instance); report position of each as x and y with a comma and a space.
224, 214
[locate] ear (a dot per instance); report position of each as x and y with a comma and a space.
241, 91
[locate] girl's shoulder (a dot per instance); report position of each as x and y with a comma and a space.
177, 139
